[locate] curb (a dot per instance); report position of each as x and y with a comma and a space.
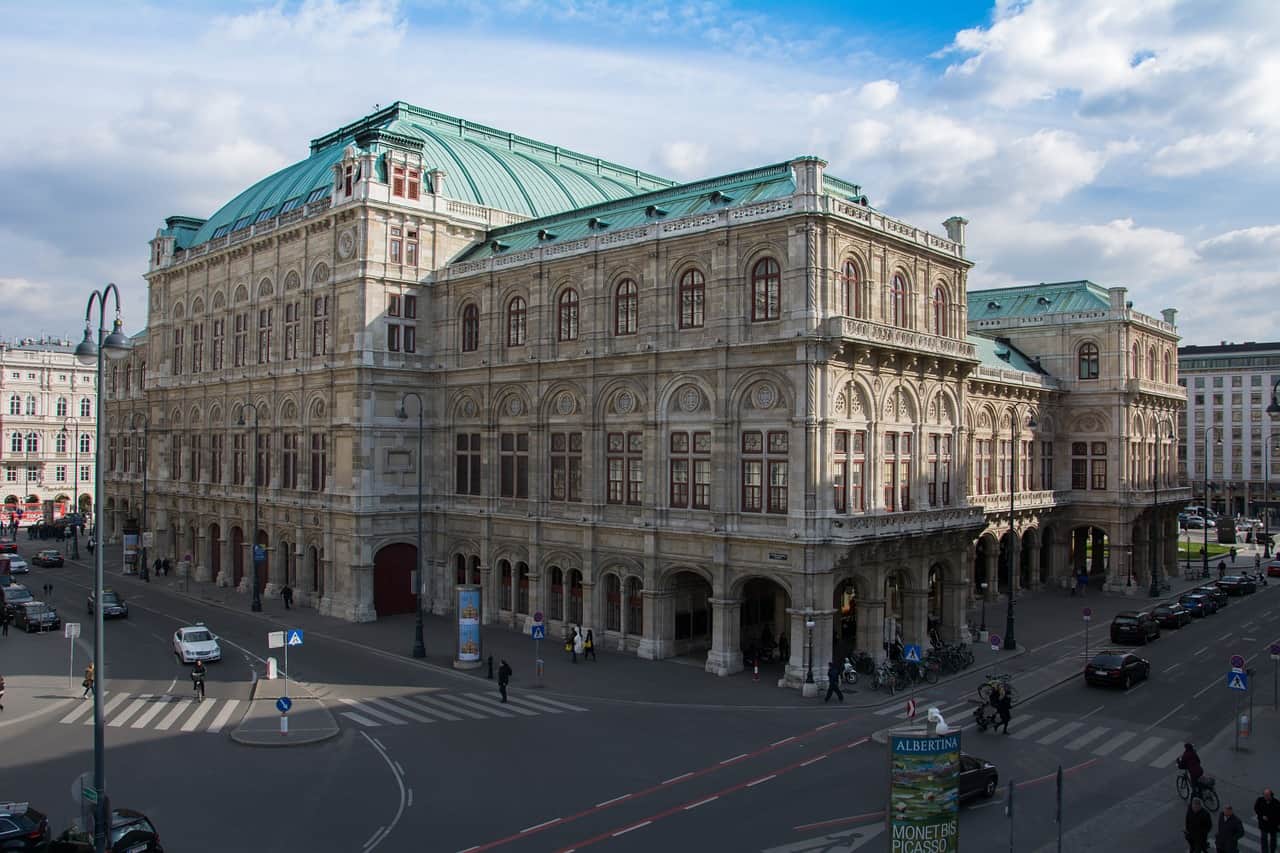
284, 741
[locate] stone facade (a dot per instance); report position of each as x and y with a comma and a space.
724, 419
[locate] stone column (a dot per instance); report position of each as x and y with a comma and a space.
227, 567
204, 557
915, 617
275, 572
488, 595
1015, 562
953, 609
991, 571
589, 608
1100, 543
659, 628
870, 626
821, 652
1079, 557
1033, 560
797, 636
725, 657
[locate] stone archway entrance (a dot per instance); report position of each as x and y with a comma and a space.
844, 627
393, 591
1090, 553
762, 619
237, 556
691, 613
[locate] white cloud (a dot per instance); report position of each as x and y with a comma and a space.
1202, 152
1260, 242
685, 159
878, 94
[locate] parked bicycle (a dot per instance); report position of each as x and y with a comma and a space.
1204, 790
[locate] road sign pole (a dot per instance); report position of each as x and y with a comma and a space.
1237, 726
1275, 683
286, 669
71, 660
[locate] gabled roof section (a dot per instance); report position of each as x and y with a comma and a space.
727, 191
1037, 299
483, 166
1000, 354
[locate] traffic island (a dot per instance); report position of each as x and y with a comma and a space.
306, 719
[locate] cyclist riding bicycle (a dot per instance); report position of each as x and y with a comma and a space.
1190, 762
197, 679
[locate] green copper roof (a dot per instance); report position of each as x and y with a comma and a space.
1000, 354
482, 165
1037, 299
733, 190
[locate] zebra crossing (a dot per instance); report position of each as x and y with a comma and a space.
1252, 837
375, 711
158, 712
1106, 741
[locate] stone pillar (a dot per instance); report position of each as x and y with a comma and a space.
871, 626
953, 609
275, 572
660, 627
821, 652
1033, 561
793, 670
588, 607
488, 595
204, 557
915, 617
1099, 566
227, 567
991, 571
725, 657
1015, 562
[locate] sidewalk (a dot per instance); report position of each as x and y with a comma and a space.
309, 721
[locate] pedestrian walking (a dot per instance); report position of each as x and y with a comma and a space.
504, 676
1266, 808
1233, 555
1222, 569
784, 646
578, 644
1, 692
89, 544
1082, 582
166, 566
4, 620
1197, 826
286, 595
589, 646
87, 683
1230, 831
1004, 707
833, 682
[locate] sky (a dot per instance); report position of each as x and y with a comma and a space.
1124, 142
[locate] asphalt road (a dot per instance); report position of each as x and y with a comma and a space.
429, 760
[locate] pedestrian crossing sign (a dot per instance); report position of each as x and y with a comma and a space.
1237, 680
911, 653
295, 637
538, 631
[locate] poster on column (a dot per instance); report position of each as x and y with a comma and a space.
468, 610
130, 542
924, 793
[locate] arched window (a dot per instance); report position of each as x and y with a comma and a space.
612, 603
33, 442
851, 290
517, 313
61, 407
60, 442
15, 442
84, 442
1087, 361
15, 405
940, 309
898, 302
86, 408
693, 296
1133, 362
567, 328
31, 404
1151, 363
557, 593
766, 290
470, 328
626, 308
1168, 368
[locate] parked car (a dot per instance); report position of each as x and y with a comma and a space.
8, 546
1172, 615
1117, 669
16, 595
1220, 595
1273, 569
112, 604
36, 616
18, 566
1198, 604
48, 559
131, 832
1194, 522
1132, 626
978, 777
22, 827
196, 643
1245, 585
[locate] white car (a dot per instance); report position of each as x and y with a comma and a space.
196, 643
18, 566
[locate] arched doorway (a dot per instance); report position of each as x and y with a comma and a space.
314, 572
763, 616
1028, 558
473, 570
1007, 543
691, 623
522, 588
555, 598
1090, 552
393, 579
215, 551
506, 583
844, 628
575, 596
984, 563
237, 556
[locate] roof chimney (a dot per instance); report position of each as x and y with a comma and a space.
1170, 315
955, 230
437, 180
1117, 295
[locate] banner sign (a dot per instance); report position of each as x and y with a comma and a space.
924, 793
469, 624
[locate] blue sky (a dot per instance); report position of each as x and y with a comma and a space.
1126, 141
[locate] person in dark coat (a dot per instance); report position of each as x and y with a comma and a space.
1190, 762
833, 681
1230, 831
1197, 827
1267, 810
589, 646
286, 595
1003, 702
504, 676
166, 566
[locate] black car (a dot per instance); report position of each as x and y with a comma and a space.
131, 832
112, 604
1117, 669
15, 596
48, 559
1172, 615
1219, 595
1244, 585
22, 827
36, 616
1199, 605
1132, 626
978, 778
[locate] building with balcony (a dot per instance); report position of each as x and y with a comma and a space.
691, 417
46, 427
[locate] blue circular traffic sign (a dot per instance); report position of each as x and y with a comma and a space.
283, 704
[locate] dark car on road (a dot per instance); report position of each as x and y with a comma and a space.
1240, 584
978, 778
16, 595
22, 827
8, 546
1273, 569
1172, 615
1199, 605
131, 832
1132, 626
36, 616
1215, 591
48, 559
112, 604
1117, 669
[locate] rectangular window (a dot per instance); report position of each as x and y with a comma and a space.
840, 470
513, 468
240, 342
84, 473
320, 325
177, 353
939, 470
215, 458
319, 460
238, 459
197, 347
1026, 473
1046, 465
393, 305
219, 334
193, 458
397, 180
409, 338
779, 448
625, 463
33, 474
566, 466
289, 461
175, 457
393, 337
897, 471
466, 474
393, 248
411, 248
348, 178
1079, 465
264, 335
691, 470
410, 307
291, 311
11, 475
60, 473
1098, 473
858, 471
761, 461
262, 460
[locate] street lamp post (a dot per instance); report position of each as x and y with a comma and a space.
146, 463
983, 626
256, 602
75, 483
1274, 411
115, 346
419, 647
1204, 549
1014, 432
1155, 509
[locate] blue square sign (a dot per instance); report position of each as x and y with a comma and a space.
1237, 680
538, 631
293, 637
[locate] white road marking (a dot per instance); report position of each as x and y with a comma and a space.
702, 802
1054, 737
762, 780
784, 740
413, 715
173, 715
426, 709
112, 703
157, 705
364, 708
1200, 652
1168, 758
541, 825
364, 721
487, 709
486, 699
1225, 636
1115, 743
84, 705
735, 758
378, 839
1088, 737
614, 800
812, 761
677, 778
541, 709
1142, 749
640, 825
1166, 716
1027, 731
373, 838
202, 710
1207, 688
228, 707
531, 699
439, 701
1171, 668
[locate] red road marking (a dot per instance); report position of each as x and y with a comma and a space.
613, 833
665, 786
837, 821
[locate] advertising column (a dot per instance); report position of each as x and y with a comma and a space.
924, 793
467, 598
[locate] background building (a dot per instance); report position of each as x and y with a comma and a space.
1229, 387
47, 426
691, 417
